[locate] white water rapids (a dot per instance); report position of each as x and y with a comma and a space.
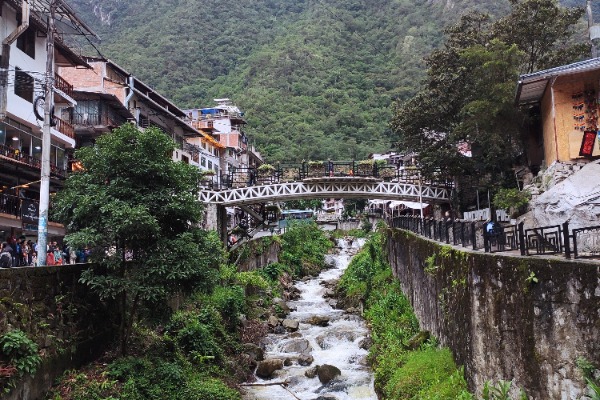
336, 344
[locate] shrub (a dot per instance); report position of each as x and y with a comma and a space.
427, 374
19, 356
511, 198
209, 389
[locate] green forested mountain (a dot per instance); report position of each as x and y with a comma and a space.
315, 77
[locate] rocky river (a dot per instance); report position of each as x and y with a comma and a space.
317, 352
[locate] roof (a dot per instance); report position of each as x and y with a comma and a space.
531, 87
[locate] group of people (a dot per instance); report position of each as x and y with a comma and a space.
20, 252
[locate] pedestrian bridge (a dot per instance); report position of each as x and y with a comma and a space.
347, 187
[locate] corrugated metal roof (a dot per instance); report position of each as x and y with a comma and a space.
531, 87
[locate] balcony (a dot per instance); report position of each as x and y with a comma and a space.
15, 155
204, 124
65, 128
61, 84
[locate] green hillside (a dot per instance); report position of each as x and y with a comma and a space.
316, 78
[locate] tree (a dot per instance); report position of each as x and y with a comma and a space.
468, 96
138, 212
542, 29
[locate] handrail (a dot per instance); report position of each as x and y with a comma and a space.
15, 154
61, 84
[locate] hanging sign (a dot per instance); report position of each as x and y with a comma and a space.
29, 211
587, 144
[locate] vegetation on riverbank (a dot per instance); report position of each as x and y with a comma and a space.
408, 363
197, 350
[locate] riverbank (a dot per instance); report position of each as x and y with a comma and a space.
408, 363
204, 345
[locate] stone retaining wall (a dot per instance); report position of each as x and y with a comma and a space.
69, 324
497, 320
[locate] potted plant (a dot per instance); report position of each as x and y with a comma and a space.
265, 170
365, 167
316, 168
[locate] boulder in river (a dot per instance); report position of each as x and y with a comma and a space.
281, 306
254, 351
327, 339
273, 321
318, 320
311, 372
305, 360
365, 343
327, 373
290, 324
297, 346
266, 368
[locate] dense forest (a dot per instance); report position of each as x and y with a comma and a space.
316, 78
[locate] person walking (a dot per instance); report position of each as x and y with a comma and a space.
5, 255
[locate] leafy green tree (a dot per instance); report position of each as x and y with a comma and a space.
468, 95
542, 29
138, 212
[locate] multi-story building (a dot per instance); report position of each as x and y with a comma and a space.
22, 81
108, 96
226, 121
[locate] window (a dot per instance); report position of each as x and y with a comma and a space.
203, 161
23, 85
210, 165
26, 42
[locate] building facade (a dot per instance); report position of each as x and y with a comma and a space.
23, 27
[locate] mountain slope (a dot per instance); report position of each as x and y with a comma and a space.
315, 77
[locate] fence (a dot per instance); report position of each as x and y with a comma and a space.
493, 237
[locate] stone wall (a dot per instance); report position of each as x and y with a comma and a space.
497, 320
69, 324
257, 253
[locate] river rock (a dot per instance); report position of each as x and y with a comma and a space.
266, 368
305, 360
329, 293
279, 330
290, 324
327, 373
324, 340
365, 343
297, 346
273, 321
318, 320
281, 304
417, 340
311, 372
287, 362
254, 351
327, 397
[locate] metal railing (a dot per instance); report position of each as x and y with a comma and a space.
546, 240
462, 233
17, 155
283, 173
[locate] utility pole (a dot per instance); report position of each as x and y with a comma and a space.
46, 139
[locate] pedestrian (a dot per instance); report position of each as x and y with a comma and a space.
5, 255
72, 255
50, 257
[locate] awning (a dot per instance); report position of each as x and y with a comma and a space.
408, 204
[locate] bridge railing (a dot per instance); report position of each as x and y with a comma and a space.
283, 173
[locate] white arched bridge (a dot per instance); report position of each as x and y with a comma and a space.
247, 187
334, 187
